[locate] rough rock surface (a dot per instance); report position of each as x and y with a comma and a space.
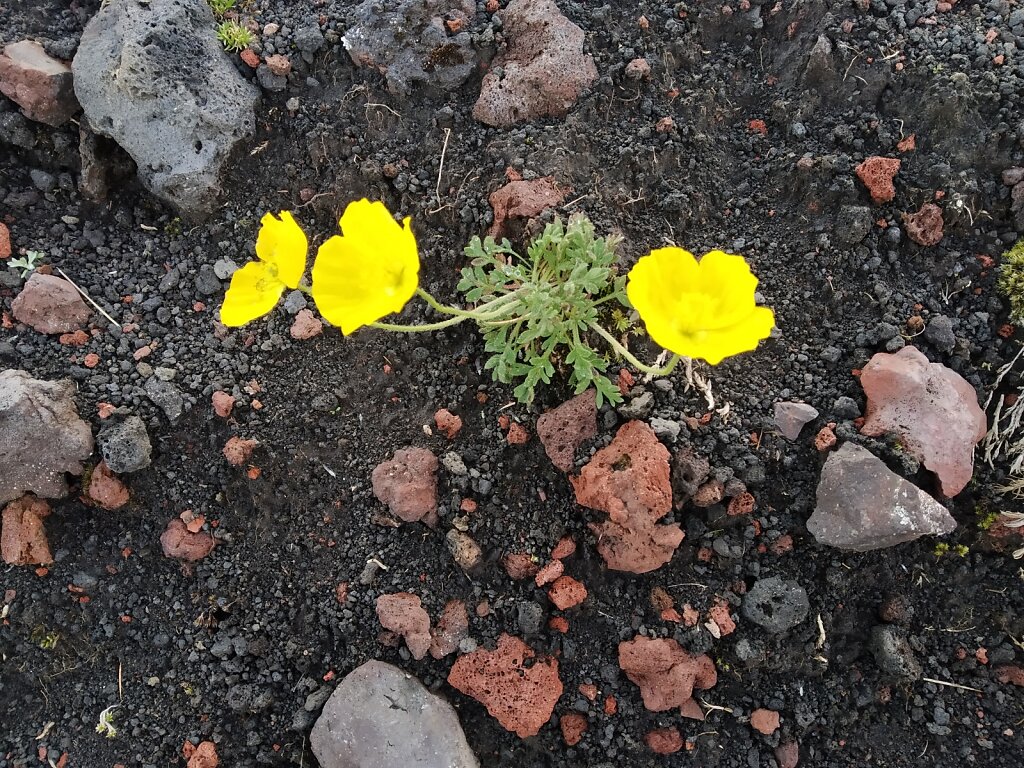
179, 542
201, 755
38, 83
5, 241
153, 77
410, 44
664, 741
765, 721
666, 674
629, 480
23, 537
124, 443
562, 429
925, 226
689, 471
41, 436
775, 604
237, 450
520, 697
878, 173
790, 418
106, 489
50, 304
932, 409
451, 629
522, 199
376, 703
407, 483
403, 614
543, 70
567, 592
862, 505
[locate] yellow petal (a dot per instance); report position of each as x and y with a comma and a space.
282, 245
728, 281
714, 345
370, 228
253, 292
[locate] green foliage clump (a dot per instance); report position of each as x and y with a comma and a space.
1011, 280
233, 36
221, 7
558, 289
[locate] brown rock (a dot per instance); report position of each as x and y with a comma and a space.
722, 618
522, 200
448, 423
5, 241
403, 614
825, 440
743, 504
709, 494
788, 754
562, 429
925, 226
549, 573
305, 326
237, 450
638, 69
202, 756
517, 434
279, 65
664, 741
1010, 674
932, 409
451, 629
223, 403
407, 483
465, 551
564, 548
181, 543
567, 593
106, 489
666, 674
38, 83
23, 537
250, 57
765, 721
573, 725
520, 697
543, 67
50, 304
877, 174
519, 566
629, 480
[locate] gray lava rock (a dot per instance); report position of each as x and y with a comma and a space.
153, 77
166, 397
381, 716
790, 418
845, 407
852, 224
862, 505
125, 444
41, 436
893, 653
775, 604
939, 333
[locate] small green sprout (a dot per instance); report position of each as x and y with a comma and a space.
1011, 280
233, 36
49, 641
106, 724
27, 263
942, 548
221, 7
962, 550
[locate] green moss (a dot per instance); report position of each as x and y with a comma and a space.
1011, 280
986, 519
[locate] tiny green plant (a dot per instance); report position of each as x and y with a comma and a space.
233, 36
105, 726
26, 264
221, 7
1011, 280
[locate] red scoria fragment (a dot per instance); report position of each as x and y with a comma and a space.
237, 451
447, 423
452, 628
664, 741
403, 614
522, 200
520, 697
202, 756
667, 675
23, 538
181, 543
222, 403
562, 429
567, 593
877, 174
407, 483
765, 721
519, 566
106, 489
573, 726
925, 226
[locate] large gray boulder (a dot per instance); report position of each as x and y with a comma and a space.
41, 436
153, 77
382, 717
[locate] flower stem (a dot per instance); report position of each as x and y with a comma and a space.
480, 313
419, 328
630, 358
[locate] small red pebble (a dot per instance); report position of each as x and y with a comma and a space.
5, 241
142, 352
908, 144
559, 624
611, 706
341, 593
998, 60
447, 423
665, 125
567, 592
549, 573
91, 360
690, 615
483, 608
981, 655
250, 57
254, 473
517, 434
626, 381
664, 741
723, 620
492, 6
222, 403
504, 422
765, 721
564, 548
468, 506
1005, 330
329, 676
76, 339
454, 25
758, 126
643, 23
198, 306
671, 614
589, 691
104, 410
825, 440
782, 544
573, 725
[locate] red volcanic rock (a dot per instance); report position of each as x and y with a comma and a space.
664, 741
522, 200
932, 409
223, 403
549, 573
519, 566
567, 593
877, 174
562, 429
237, 451
202, 756
709, 494
573, 725
38, 83
403, 614
720, 614
50, 304
788, 754
667, 675
925, 226
1010, 674
181, 543
564, 548
305, 326
765, 721
629, 480
825, 440
520, 697
452, 628
23, 537
407, 483
106, 489
447, 423
743, 504
5, 241
517, 434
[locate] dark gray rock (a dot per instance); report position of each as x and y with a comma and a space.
939, 333
790, 418
776, 605
166, 397
852, 224
380, 716
125, 444
893, 653
41, 436
153, 77
862, 505
845, 407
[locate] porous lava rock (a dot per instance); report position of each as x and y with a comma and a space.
106, 489
451, 629
863, 505
22, 537
380, 715
154, 78
932, 409
403, 614
689, 472
542, 71
201, 755
50, 304
924, 226
764, 721
562, 429
567, 593
664, 741
41, 436
38, 83
407, 483
520, 697
878, 173
124, 443
629, 480
522, 199
238, 450
179, 542
666, 674
776, 604
573, 725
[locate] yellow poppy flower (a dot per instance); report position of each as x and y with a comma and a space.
699, 309
256, 288
368, 271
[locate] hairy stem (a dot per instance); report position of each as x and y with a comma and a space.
630, 358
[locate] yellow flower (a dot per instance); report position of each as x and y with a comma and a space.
256, 288
369, 271
699, 309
